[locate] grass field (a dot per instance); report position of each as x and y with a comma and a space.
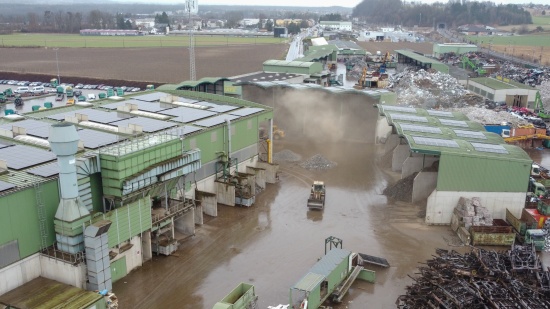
78, 41
514, 40
541, 20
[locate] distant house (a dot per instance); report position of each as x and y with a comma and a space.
476, 30
336, 25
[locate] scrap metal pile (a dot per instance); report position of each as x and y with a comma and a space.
480, 279
318, 162
488, 116
420, 88
357, 69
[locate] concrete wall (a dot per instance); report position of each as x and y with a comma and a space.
133, 255
209, 203
391, 142
382, 131
226, 193
199, 219
424, 184
260, 175
415, 163
400, 154
186, 223
19, 273
146, 248
441, 204
270, 171
500, 95
63, 272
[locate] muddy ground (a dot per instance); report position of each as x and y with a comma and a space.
275, 242
153, 65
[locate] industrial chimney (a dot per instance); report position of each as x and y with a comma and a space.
70, 213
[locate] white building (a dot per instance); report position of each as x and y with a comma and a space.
336, 25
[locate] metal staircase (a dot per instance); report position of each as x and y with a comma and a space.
41, 209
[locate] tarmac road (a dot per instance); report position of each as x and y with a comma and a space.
275, 242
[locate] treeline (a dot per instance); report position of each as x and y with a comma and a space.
70, 22
395, 12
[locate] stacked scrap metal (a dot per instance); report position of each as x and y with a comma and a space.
479, 279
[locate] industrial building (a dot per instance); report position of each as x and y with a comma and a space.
124, 180
411, 58
336, 25
453, 157
440, 49
503, 90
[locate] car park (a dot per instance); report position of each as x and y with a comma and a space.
136, 89
79, 86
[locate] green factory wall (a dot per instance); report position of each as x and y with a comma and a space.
245, 134
335, 277
127, 221
474, 174
441, 67
19, 217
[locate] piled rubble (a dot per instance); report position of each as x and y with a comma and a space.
480, 279
357, 69
488, 116
544, 90
420, 88
470, 212
317, 162
286, 156
402, 189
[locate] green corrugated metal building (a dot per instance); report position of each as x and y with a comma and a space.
457, 48
411, 58
297, 67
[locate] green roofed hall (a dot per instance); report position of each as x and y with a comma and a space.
412, 58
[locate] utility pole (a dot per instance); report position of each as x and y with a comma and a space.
192, 70
57, 64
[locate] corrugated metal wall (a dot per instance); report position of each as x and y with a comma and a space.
467, 173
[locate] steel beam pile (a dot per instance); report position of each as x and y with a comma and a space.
480, 279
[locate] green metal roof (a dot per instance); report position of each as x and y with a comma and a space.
318, 52
326, 265
417, 57
420, 112
309, 282
502, 152
433, 121
202, 81
499, 85
42, 293
284, 63
447, 133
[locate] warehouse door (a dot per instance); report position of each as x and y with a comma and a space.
118, 269
516, 100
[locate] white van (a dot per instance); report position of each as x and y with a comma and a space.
21, 90
37, 90
91, 96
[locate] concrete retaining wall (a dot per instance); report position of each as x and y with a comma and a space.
400, 154
423, 185
225, 192
441, 204
186, 223
415, 163
19, 273
63, 272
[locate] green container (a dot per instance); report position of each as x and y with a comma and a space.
81, 98
48, 104
102, 95
110, 92
35, 108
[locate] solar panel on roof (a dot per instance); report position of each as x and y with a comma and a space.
210, 122
20, 157
31, 126
141, 105
151, 97
47, 170
423, 129
454, 123
428, 141
5, 144
440, 113
187, 114
94, 139
408, 118
187, 129
149, 125
246, 111
6, 186
94, 115
489, 148
187, 100
399, 109
470, 134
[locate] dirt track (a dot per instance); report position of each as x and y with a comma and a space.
157, 65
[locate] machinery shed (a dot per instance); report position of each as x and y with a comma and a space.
349, 48
411, 58
213, 85
444, 161
296, 67
457, 48
503, 90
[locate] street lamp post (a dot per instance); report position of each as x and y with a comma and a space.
57, 64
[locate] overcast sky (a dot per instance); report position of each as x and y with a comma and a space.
313, 3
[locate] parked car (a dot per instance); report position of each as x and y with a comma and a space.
77, 93
22, 90
38, 90
136, 89
79, 86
